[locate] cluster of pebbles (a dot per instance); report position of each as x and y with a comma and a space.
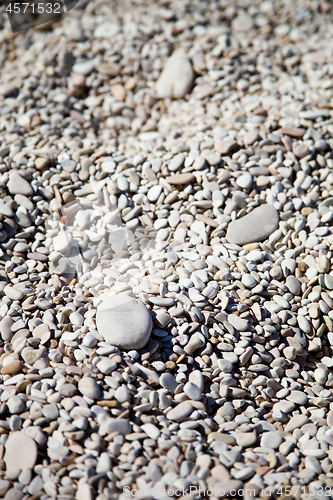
166, 251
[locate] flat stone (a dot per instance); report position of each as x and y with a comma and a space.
293, 285
21, 452
180, 412
12, 367
106, 366
298, 397
304, 323
5, 328
124, 322
300, 150
68, 390
246, 439
297, 133
51, 411
239, 323
271, 440
176, 78
5, 209
13, 293
18, 185
13, 494
119, 425
180, 179
222, 438
15, 405
255, 226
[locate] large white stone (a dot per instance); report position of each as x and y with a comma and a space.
177, 76
124, 322
21, 452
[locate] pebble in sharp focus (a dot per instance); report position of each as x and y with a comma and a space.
175, 162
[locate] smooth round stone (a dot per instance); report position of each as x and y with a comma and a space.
5, 328
12, 367
239, 323
18, 185
89, 340
298, 397
285, 406
104, 463
197, 378
15, 405
21, 453
293, 285
31, 355
328, 279
89, 387
320, 375
122, 394
5, 209
177, 76
62, 242
67, 390
124, 322
254, 256
255, 226
303, 323
121, 425
154, 192
50, 411
248, 281
271, 440
246, 439
244, 181
318, 453
106, 366
180, 179
168, 381
13, 293
225, 365
296, 422
76, 319
192, 391
180, 412
230, 356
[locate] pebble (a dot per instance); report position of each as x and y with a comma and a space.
180, 412
21, 453
124, 322
255, 226
168, 381
271, 440
246, 439
176, 79
180, 179
89, 387
18, 185
192, 391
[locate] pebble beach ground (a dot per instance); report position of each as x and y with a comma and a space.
166, 250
